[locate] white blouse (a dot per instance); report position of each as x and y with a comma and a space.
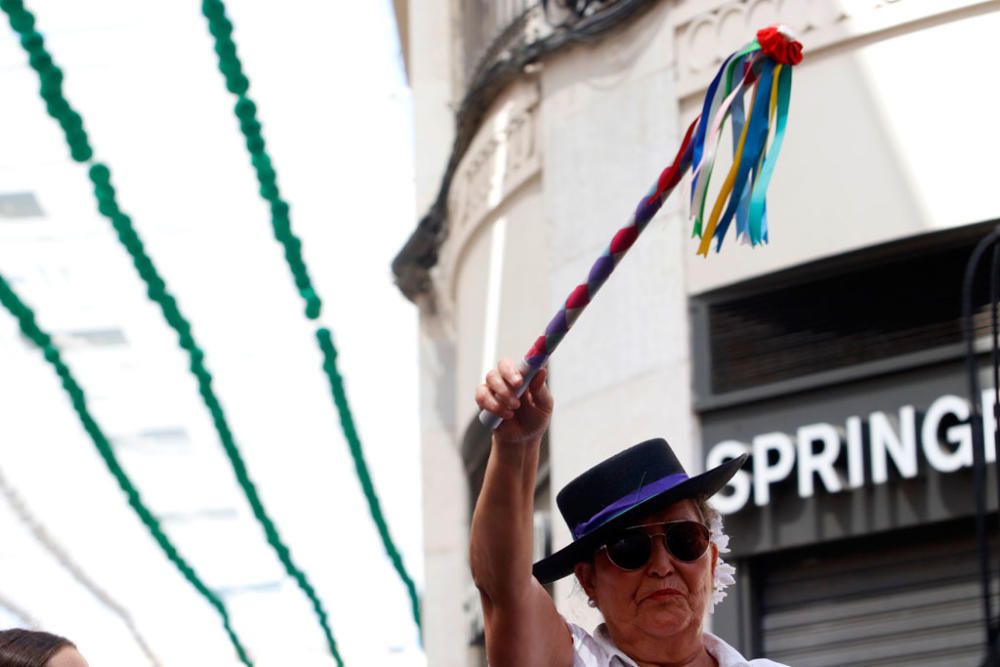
597, 650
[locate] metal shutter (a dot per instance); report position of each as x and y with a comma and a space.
908, 599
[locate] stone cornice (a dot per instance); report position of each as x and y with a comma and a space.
504, 155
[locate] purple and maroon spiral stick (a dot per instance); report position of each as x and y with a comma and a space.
578, 299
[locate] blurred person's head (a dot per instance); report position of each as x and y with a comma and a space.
31, 648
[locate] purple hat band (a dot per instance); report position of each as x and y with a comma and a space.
642, 493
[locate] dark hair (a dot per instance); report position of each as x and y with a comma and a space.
29, 648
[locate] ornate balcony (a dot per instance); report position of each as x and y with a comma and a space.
491, 27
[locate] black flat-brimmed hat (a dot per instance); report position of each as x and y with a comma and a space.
643, 478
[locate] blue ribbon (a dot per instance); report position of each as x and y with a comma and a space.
752, 147
698, 141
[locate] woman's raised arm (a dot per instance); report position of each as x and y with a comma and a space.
523, 628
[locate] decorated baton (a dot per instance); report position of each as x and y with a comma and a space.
764, 69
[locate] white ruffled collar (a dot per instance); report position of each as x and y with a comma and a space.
723, 653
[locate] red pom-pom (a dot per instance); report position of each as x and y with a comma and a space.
779, 47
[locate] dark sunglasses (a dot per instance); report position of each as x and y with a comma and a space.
633, 547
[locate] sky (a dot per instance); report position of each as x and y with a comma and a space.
336, 112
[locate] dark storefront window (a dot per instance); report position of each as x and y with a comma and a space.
870, 311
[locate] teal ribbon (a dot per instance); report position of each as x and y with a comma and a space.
758, 221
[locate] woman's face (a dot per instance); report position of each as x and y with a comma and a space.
665, 599
67, 657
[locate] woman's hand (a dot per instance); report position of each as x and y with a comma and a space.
525, 418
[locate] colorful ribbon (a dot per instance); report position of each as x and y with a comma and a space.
763, 66
757, 138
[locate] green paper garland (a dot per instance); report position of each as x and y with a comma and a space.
100, 176
26, 321
325, 340
238, 84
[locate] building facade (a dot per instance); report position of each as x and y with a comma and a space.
833, 355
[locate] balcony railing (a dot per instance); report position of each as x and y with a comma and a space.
491, 27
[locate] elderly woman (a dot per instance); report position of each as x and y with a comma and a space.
642, 549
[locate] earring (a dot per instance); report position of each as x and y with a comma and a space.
592, 603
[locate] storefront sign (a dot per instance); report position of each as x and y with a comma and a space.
835, 455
